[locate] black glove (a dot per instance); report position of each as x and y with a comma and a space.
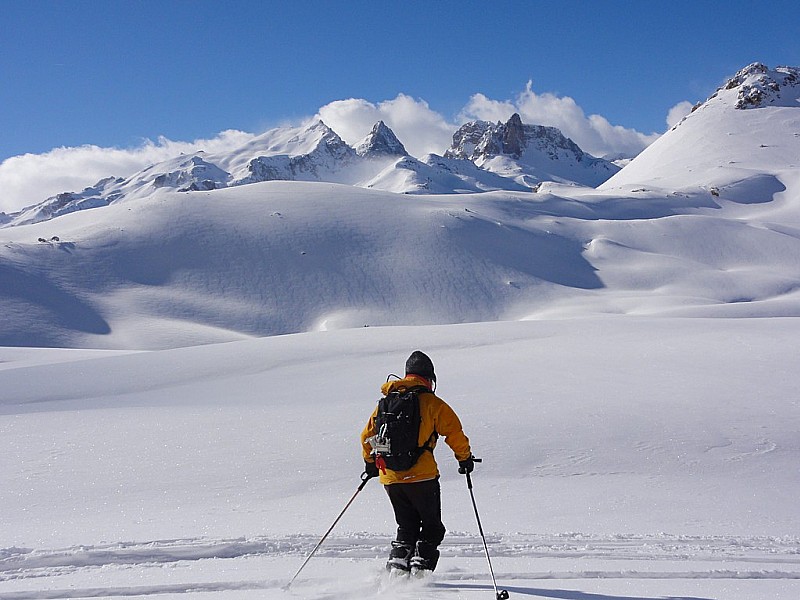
466, 466
371, 469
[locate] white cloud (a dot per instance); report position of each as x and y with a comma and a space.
30, 178
592, 133
678, 112
420, 129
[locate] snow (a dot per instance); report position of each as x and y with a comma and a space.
183, 378
621, 454
177, 269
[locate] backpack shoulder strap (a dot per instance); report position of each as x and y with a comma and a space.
431, 441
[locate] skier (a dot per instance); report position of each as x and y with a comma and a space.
415, 492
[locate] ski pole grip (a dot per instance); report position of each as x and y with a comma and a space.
365, 477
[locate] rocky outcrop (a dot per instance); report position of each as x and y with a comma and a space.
757, 86
480, 139
475, 139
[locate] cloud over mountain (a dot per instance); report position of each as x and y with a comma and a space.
29, 178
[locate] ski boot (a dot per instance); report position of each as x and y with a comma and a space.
424, 560
399, 557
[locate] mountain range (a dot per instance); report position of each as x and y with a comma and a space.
484, 157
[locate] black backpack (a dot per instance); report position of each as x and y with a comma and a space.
397, 429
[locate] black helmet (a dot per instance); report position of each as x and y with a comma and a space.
419, 364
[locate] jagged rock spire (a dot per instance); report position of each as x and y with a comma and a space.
514, 136
381, 141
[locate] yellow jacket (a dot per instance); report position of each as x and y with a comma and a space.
436, 418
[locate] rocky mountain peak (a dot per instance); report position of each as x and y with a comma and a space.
527, 153
318, 125
480, 139
381, 141
757, 86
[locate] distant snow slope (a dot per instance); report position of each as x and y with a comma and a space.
277, 257
177, 269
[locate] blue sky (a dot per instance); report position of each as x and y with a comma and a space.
112, 73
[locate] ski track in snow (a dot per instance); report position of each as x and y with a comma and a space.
661, 557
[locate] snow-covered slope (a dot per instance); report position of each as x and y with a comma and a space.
434, 174
275, 257
278, 257
742, 144
623, 458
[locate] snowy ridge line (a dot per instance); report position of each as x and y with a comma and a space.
18, 563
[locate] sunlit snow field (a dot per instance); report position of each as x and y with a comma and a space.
624, 458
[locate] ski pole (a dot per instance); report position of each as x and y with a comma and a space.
499, 594
364, 479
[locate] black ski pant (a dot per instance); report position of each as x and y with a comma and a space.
418, 512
